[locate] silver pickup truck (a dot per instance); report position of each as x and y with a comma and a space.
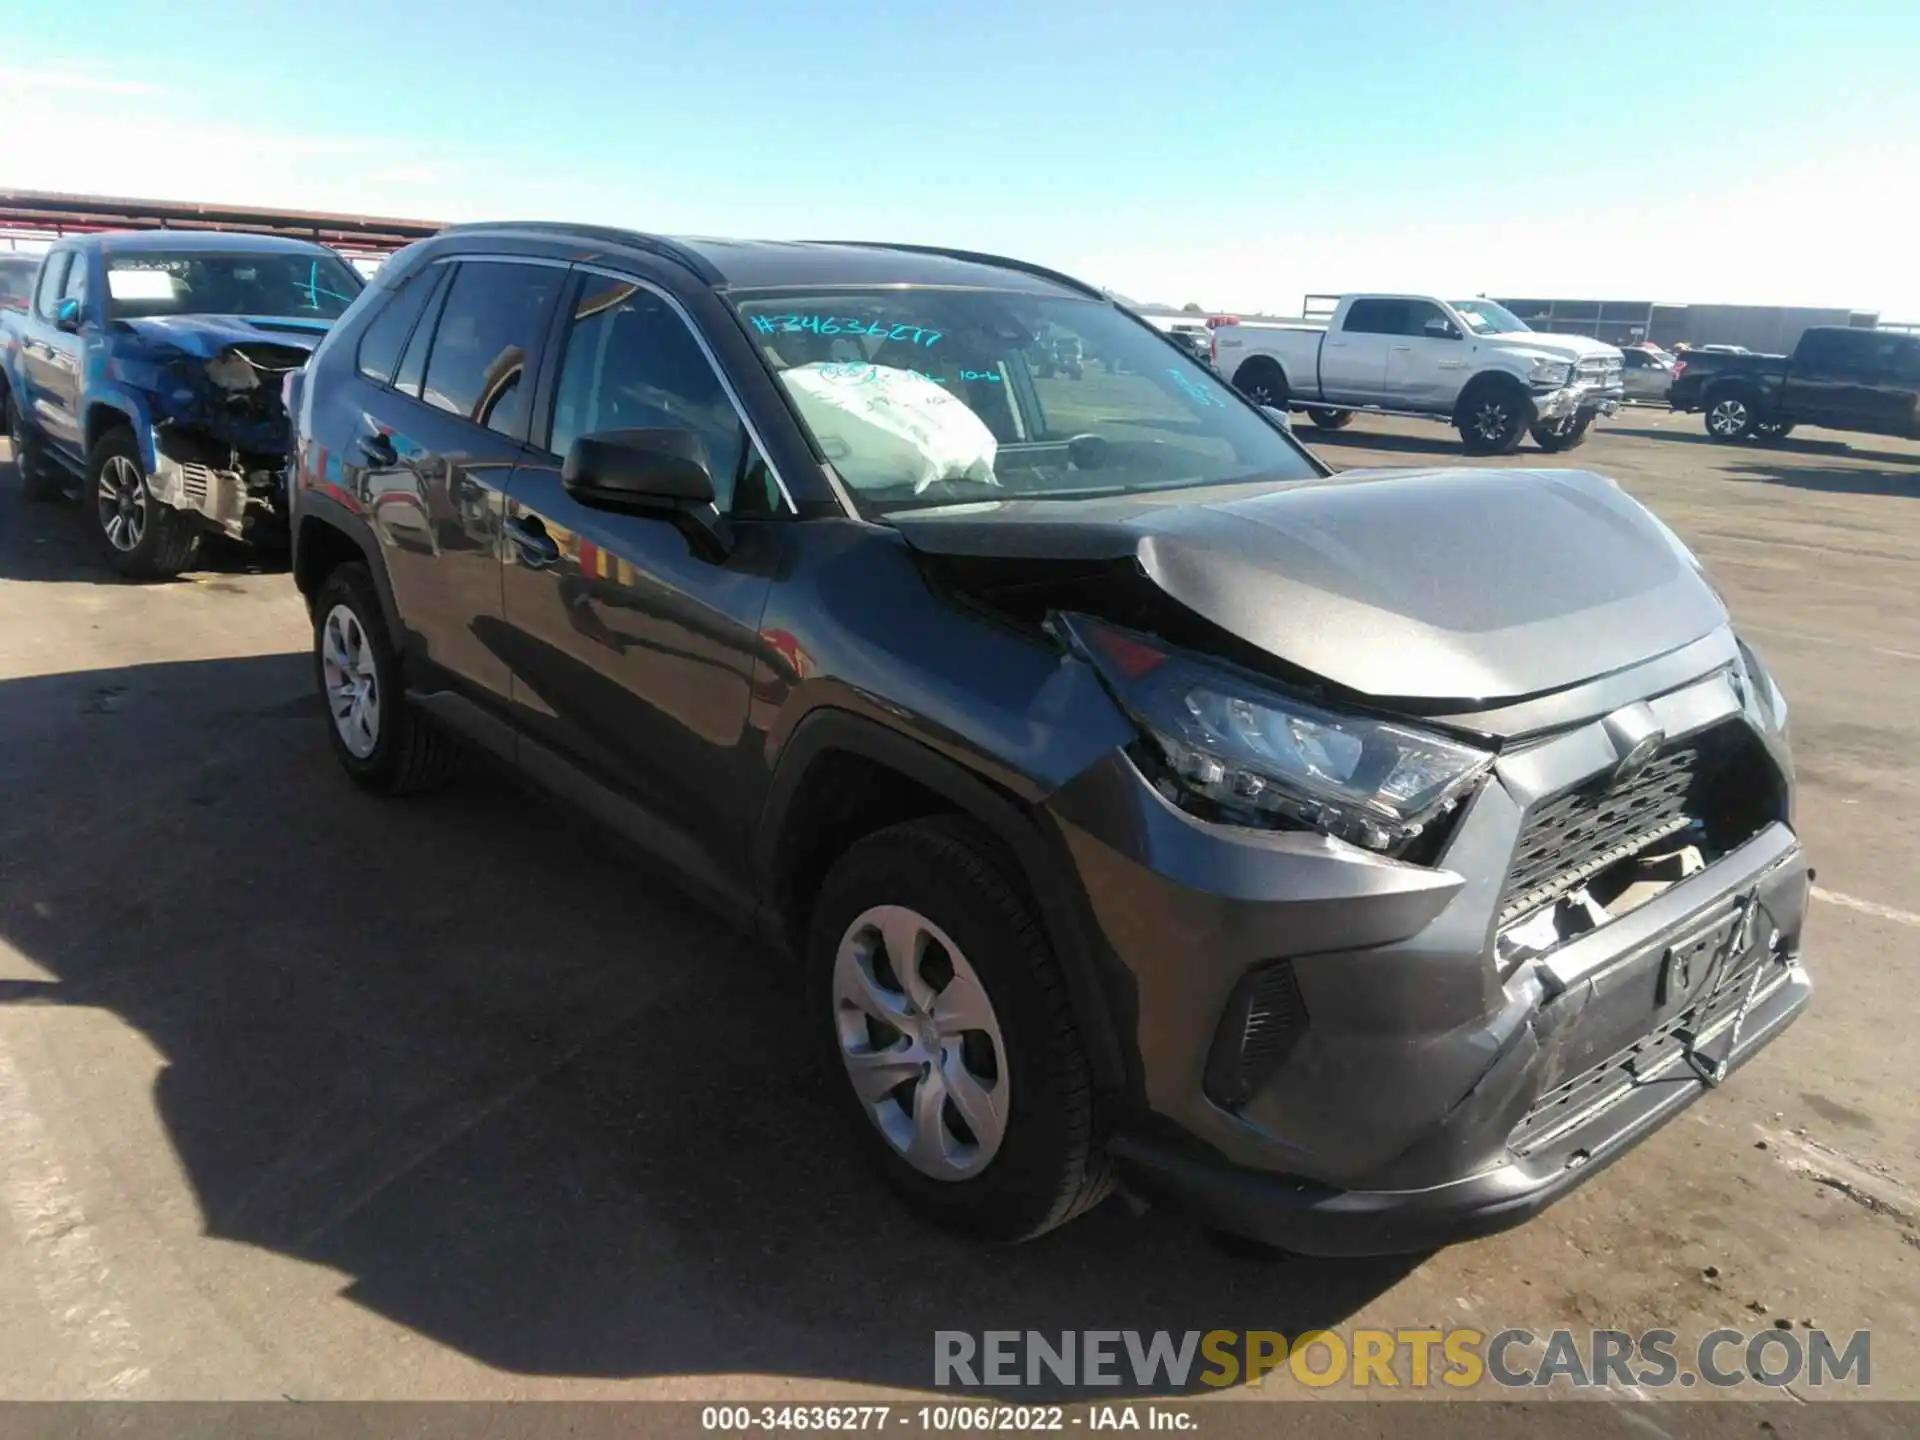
1468, 363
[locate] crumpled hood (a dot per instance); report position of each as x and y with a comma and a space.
206, 336
1419, 585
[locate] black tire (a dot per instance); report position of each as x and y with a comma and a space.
1264, 383
1325, 419
1563, 434
410, 754
39, 479
1051, 1164
1732, 414
1493, 417
165, 539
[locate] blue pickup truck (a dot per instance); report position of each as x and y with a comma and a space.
146, 374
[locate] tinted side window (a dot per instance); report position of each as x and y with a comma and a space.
488, 328
1834, 351
1416, 314
76, 286
631, 364
1374, 317
382, 341
1906, 363
53, 275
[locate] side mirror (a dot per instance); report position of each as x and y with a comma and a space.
661, 473
1440, 328
66, 316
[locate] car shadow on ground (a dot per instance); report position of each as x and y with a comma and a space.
474, 1056
1441, 442
1790, 445
1832, 479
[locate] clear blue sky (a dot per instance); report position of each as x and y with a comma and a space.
1234, 154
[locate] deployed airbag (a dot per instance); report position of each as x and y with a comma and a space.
884, 427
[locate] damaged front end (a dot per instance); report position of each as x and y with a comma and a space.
221, 435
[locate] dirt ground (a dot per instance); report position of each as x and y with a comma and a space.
306, 1095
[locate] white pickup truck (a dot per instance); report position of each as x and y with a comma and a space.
1469, 363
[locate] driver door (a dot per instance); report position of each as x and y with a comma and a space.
1426, 361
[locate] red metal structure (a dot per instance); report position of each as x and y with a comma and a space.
39, 215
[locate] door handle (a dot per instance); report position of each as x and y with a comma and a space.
537, 549
1403, 349
377, 449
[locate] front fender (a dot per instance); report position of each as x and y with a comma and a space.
112, 403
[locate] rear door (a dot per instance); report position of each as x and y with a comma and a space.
1425, 361
1353, 358
633, 651
431, 454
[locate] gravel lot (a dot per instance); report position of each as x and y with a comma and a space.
302, 1094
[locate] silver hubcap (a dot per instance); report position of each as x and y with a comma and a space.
353, 686
920, 1042
1728, 417
123, 503
1491, 420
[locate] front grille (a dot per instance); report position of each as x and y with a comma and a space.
1264, 1021
1703, 1024
1600, 367
1719, 779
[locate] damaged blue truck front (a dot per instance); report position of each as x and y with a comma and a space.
147, 376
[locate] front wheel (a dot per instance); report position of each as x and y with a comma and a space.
1493, 419
1731, 417
1563, 433
947, 1015
1325, 419
138, 536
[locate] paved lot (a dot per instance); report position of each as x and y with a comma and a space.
303, 1094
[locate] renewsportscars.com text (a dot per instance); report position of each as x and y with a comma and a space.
1457, 1359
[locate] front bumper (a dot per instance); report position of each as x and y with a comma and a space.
1602, 399
1424, 1094
247, 505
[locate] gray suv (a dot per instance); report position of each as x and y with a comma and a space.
1357, 862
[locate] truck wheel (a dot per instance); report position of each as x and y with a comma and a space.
380, 740
1264, 383
948, 1019
1325, 419
139, 537
1731, 415
1492, 418
39, 479
1564, 433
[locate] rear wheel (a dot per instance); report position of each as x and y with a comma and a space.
1325, 419
1731, 415
1492, 418
1564, 433
137, 535
378, 738
948, 1019
1264, 383
38, 477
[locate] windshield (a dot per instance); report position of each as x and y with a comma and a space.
283, 285
928, 397
1483, 317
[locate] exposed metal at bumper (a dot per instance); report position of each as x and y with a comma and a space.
1417, 1059
1317, 1220
1603, 398
238, 502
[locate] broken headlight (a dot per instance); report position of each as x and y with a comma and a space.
1256, 755
1754, 683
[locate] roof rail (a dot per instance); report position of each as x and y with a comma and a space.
608, 234
978, 257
